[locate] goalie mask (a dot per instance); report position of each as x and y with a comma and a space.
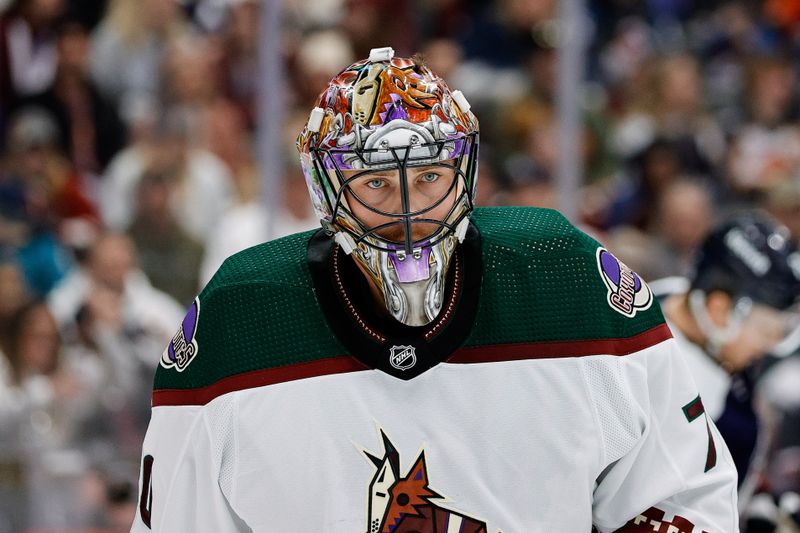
390, 159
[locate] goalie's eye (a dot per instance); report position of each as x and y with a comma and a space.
376, 183
429, 177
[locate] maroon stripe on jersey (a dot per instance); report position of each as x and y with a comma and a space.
711, 456
257, 378
545, 350
345, 363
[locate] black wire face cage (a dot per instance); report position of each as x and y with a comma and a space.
458, 155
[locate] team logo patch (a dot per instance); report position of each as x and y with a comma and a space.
402, 357
627, 293
183, 347
403, 504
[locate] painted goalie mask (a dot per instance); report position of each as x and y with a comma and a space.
389, 155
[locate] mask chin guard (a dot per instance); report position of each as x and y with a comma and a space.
413, 284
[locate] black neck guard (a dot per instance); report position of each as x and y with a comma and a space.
378, 340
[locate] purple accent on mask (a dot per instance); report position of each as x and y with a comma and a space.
637, 283
330, 158
189, 323
460, 148
393, 110
610, 266
410, 269
397, 112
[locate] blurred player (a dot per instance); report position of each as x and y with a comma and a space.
420, 365
740, 304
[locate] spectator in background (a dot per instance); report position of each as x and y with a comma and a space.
766, 149
40, 192
685, 214
318, 57
128, 50
681, 116
444, 56
202, 188
225, 134
664, 102
634, 198
37, 422
192, 80
240, 57
531, 171
365, 23
248, 223
60, 414
119, 296
92, 132
28, 55
12, 297
167, 255
501, 33
113, 324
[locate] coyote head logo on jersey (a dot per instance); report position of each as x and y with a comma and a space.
403, 504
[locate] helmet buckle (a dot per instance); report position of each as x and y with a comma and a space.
329, 228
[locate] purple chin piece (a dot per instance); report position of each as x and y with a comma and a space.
411, 269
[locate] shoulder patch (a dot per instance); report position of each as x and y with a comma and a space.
627, 293
183, 348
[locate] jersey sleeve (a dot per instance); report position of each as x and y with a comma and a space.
186, 471
675, 473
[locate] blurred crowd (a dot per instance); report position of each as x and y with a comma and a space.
128, 172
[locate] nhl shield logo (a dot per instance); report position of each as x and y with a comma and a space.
402, 357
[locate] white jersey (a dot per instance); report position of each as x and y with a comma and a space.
524, 436
712, 380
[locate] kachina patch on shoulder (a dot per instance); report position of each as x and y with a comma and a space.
627, 293
182, 349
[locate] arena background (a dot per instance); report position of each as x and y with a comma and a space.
143, 141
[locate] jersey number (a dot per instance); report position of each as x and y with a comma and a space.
146, 497
692, 410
